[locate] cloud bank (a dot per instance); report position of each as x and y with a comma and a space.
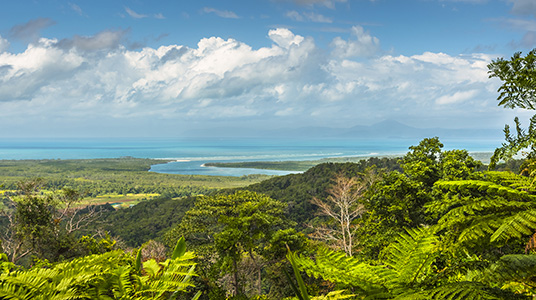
291, 82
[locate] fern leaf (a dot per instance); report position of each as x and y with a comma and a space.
522, 223
465, 290
410, 257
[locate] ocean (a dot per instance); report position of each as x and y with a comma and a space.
189, 154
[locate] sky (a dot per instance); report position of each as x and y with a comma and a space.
106, 68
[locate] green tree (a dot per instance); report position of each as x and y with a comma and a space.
398, 200
481, 216
44, 224
112, 275
230, 228
519, 80
518, 90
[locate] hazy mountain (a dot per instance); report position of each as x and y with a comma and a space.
383, 129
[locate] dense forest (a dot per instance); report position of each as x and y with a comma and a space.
433, 224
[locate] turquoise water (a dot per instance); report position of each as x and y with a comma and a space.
190, 154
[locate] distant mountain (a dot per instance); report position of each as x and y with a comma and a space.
383, 129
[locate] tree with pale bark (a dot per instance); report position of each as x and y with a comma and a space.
343, 206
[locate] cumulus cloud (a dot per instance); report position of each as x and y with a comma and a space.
221, 13
31, 30
362, 44
284, 37
225, 78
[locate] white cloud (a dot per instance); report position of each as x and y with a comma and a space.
308, 16
31, 30
294, 15
524, 7
520, 24
4, 44
76, 8
363, 45
456, 97
326, 3
100, 41
134, 14
284, 37
529, 39
224, 78
221, 13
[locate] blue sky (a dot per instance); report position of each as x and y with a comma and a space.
170, 68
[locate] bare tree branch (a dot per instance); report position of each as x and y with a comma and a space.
343, 205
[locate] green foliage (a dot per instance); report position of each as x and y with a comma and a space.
514, 144
44, 225
518, 89
112, 275
518, 76
406, 267
297, 190
465, 290
477, 212
225, 229
398, 201
422, 162
179, 249
300, 290
118, 176
515, 272
145, 221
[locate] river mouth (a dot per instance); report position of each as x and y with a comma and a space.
185, 167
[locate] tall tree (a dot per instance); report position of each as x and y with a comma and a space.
343, 207
232, 227
398, 200
518, 90
43, 224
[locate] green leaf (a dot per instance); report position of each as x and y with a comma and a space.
180, 248
151, 267
299, 279
137, 266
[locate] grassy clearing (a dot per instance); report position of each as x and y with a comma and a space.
115, 180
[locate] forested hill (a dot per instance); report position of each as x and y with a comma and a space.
150, 219
297, 190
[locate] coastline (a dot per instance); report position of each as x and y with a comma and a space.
304, 165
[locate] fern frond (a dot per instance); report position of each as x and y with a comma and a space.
515, 268
467, 290
410, 257
407, 264
522, 223
335, 295
511, 180
337, 267
483, 187
479, 227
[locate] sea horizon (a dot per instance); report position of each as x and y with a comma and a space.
188, 155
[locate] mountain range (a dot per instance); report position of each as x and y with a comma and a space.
384, 129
